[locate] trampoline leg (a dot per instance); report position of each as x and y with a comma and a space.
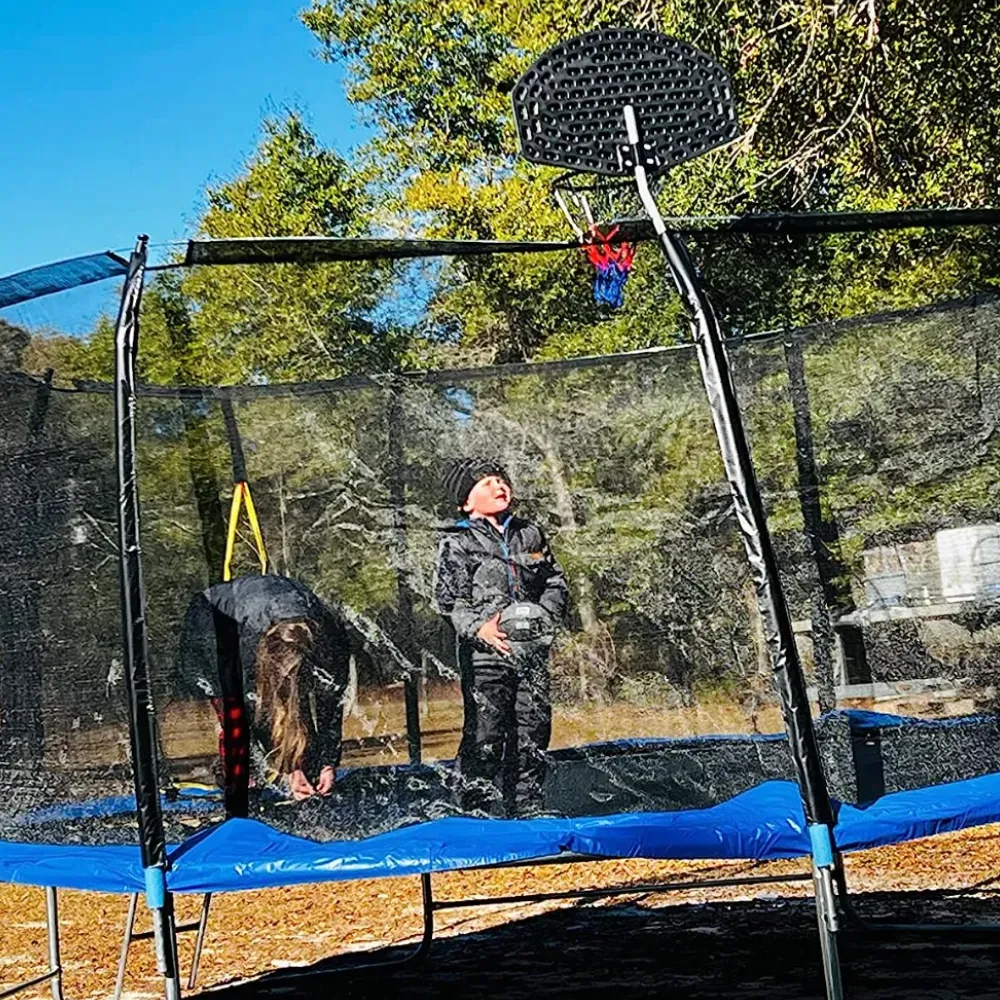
52, 921
200, 940
427, 896
826, 918
133, 903
165, 939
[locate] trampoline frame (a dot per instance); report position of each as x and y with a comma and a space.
430, 906
54, 975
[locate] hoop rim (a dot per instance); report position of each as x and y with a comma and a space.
576, 187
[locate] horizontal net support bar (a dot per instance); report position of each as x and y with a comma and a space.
321, 249
316, 249
789, 223
64, 275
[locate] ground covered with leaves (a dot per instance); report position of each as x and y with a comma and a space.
754, 942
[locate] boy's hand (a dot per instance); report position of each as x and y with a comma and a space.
327, 777
491, 633
300, 786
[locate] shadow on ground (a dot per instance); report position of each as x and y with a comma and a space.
763, 948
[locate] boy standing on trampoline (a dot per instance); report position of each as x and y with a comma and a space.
499, 585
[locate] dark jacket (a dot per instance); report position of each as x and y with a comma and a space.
231, 618
480, 571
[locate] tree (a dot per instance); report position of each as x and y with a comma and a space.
13, 341
844, 106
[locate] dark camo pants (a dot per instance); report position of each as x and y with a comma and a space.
508, 723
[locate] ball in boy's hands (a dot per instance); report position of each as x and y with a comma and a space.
526, 621
529, 628
494, 636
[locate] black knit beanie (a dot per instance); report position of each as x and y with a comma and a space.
461, 475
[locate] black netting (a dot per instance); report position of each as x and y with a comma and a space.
875, 443
63, 724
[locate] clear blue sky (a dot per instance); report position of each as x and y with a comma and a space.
116, 115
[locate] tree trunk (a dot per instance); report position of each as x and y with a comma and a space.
585, 603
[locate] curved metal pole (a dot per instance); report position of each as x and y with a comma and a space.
752, 519
142, 720
747, 502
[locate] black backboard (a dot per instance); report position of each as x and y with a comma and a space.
569, 105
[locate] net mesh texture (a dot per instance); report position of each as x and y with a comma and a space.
875, 445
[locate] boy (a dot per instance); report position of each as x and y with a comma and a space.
499, 585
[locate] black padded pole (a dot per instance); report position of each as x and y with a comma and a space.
750, 515
835, 598
814, 525
130, 564
142, 719
789, 678
235, 441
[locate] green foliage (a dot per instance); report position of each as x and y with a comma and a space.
869, 106
865, 106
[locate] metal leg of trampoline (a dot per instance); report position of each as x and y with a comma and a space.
427, 898
133, 904
54, 975
867, 925
206, 903
169, 933
52, 924
828, 924
429, 907
165, 937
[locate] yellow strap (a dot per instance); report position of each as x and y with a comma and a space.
258, 537
241, 495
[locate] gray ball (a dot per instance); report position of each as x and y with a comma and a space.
529, 627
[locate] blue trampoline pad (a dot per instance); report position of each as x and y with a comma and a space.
763, 823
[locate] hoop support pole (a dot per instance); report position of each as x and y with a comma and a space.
752, 520
749, 506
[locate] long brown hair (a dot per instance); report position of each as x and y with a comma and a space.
282, 687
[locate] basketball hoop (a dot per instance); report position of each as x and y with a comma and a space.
569, 108
627, 103
611, 258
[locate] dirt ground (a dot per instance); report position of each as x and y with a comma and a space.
748, 942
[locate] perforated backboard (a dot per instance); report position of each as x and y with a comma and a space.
569, 105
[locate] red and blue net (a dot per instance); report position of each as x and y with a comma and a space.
612, 262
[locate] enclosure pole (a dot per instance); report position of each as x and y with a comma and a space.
836, 599
747, 502
750, 515
142, 720
395, 434
812, 521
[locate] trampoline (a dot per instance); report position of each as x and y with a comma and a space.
734, 684
764, 823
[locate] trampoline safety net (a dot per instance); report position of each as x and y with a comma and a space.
876, 446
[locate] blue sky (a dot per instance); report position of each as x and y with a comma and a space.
116, 115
